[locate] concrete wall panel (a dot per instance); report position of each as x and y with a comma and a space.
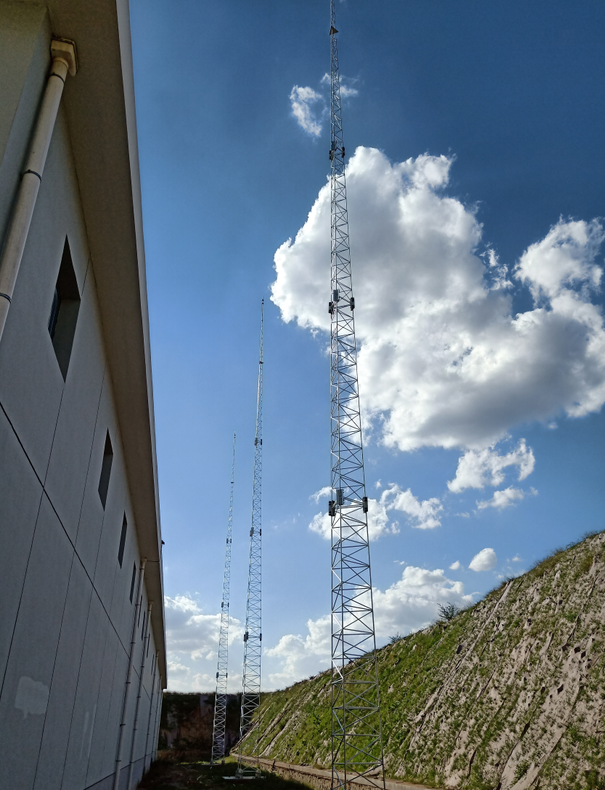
32, 394
103, 784
115, 711
72, 442
92, 517
106, 725
24, 697
20, 497
107, 573
90, 529
61, 702
122, 609
83, 721
132, 740
139, 746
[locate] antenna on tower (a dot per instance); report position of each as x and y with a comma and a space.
251, 679
220, 701
356, 725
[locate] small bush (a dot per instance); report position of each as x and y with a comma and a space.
448, 611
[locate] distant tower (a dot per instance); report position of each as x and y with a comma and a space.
356, 725
220, 701
253, 637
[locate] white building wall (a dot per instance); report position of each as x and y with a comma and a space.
65, 609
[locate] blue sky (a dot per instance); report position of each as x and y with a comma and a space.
476, 181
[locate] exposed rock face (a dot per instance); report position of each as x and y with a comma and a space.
508, 694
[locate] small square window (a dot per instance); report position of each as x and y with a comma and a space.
64, 311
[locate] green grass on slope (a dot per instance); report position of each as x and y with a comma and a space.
510, 692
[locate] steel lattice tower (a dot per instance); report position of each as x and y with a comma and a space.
220, 700
356, 725
251, 680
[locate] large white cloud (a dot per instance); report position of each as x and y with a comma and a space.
192, 643
408, 605
484, 560
443, 361
413, 601
478, 468
301, 656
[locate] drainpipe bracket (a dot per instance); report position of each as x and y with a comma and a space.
65, 49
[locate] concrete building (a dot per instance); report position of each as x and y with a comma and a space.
82, 651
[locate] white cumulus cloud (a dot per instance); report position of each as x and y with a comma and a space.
413, 601
303, 102
443, 360
321, 494
192, 634
302, 656
504, 498
192, 643
565, 257
485, 560
420, 514
455, 566
478, 468
409, 604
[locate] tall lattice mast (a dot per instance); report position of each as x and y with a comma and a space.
356, 726
251, 682
220, 701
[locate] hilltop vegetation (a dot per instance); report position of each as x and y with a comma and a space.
507, 694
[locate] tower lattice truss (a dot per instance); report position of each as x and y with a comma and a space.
356, 724
251, 679
219, 724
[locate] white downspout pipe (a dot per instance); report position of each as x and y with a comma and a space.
138, 702
133, 639
64, 60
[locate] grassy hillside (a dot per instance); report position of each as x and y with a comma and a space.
508, 694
